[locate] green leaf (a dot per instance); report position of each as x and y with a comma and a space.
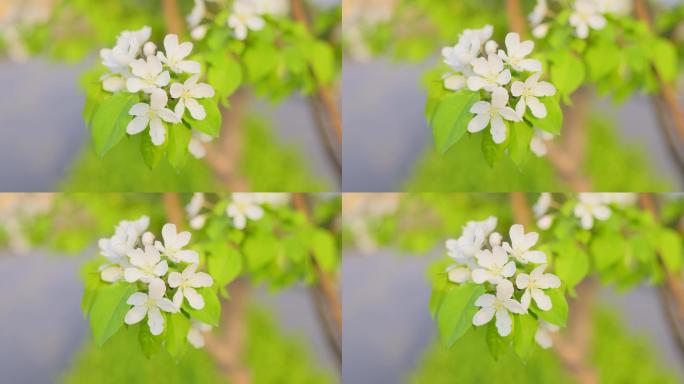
211, 313
177, 333
324, 249
451, 117
224, 266
519, 149
322, 60
558, 314
571, 264
523, 338
110, 120
602, 59
152, 154
148, 342
455, 314
553, 122
670, 248
497, 344
109, 309
259, 251
567, 72
225, 76
211, 125
492, 151
177, 150
664, 56
260, 60
606, 250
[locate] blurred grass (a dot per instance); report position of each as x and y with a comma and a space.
271, 356
619, 356
267, 164
611, 164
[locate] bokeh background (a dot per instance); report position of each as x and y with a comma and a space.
388, 147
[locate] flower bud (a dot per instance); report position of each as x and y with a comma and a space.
495, 239
199, 32
147, 238
149, 49
491, 47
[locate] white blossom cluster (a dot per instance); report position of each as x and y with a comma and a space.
136, 257
480, 66
586, 15
242, 207
589, 207
136, 66
482, 257
245, 16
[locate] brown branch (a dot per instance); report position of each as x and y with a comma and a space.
668, 136
325, 93
227, 344
573, 345
172, 17
672, 281
672, 317
326, 286
667, 92
516, 18
174, 209
223, 155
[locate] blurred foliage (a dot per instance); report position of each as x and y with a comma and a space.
270, 355
272, 166
612, 164
619, 356
267, 164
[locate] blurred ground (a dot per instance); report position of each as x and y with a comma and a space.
42, 323
385, 132
40, 118
387, 325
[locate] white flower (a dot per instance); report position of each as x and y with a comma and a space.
584, 16
195, 205
539, 12
199, 32
491, 47
471, 241
271, 7
150, 49
150, 304
116, 248
616, 7
454, 81
543, 335
589, 207
501, 305
541, 30
152, 114
197, 14
195, 337
244, 18
619, 198
460, 56
538, 142
544, 221
493, 113
113, 83
458, 273
528, 93
534, 284
187, 93
195, 145
493, 266
271, 198
112, 273
521, 244
175, 55
148, 238
515, 54
149, 75
243, 207
186, 282
127, 48
134, 228
146, 265
495, 239
489, 74
174, 243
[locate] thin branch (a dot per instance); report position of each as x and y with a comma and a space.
327, 288
172, 17
667, 92
573, 345
325, 94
